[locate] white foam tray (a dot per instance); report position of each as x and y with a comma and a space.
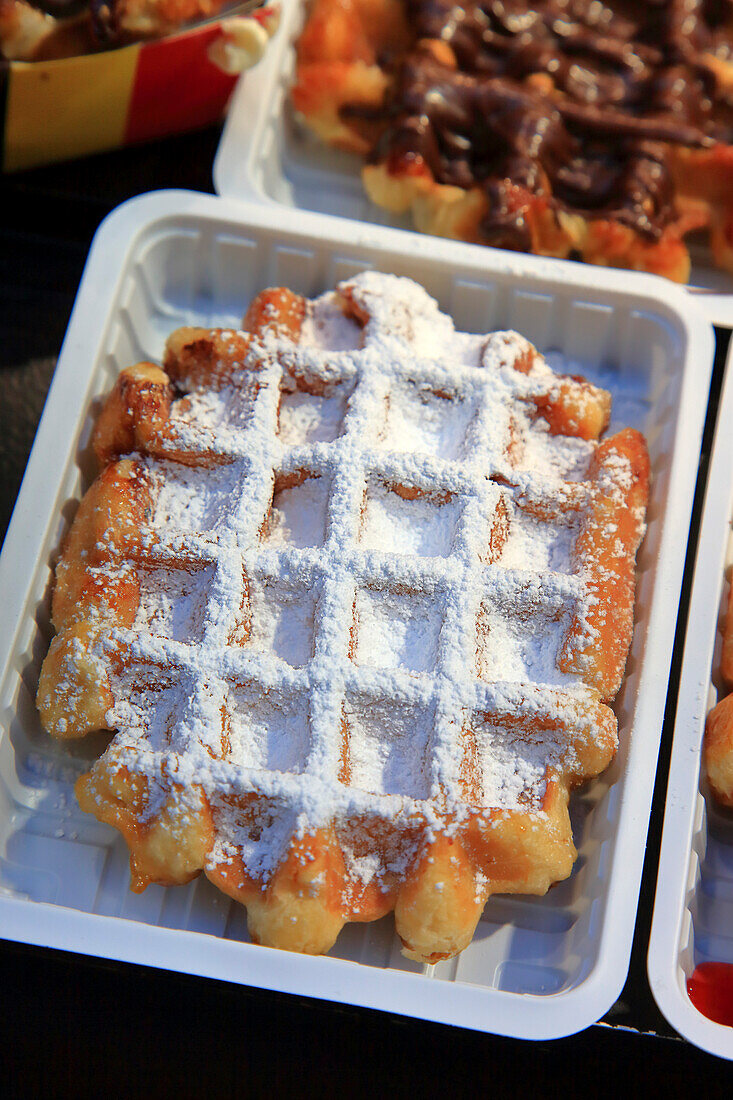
693, 909
538, 967
267, 155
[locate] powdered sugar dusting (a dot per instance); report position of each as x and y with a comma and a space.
269, 732
388, 748
422, 526
423, 421
298, 514
540, 545
310, 418
282, 621
397, 630
378, 535
173, 602
513, 767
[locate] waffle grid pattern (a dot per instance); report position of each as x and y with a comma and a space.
353, 603
334, 689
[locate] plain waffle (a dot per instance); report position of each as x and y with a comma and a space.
354, 590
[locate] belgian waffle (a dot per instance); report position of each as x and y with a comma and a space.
354, 590
598, 131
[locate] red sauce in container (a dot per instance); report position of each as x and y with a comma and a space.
711, 991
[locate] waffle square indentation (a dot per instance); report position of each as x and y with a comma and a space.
539, 544
297, 514
197, 500
269, 731
423, 420
214, 417
173, 601
519, 636
387, 747
281, 621
396, 629
507, 759
401, 520
155, 708
306, 417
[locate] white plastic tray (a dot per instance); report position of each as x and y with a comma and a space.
538, 967
693, 910
265, 154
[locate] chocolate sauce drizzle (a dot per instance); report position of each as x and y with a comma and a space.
577, 101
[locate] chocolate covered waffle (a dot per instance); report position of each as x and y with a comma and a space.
601, 131
354, 591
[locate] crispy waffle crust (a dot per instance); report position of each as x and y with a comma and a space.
353, 590
599, 131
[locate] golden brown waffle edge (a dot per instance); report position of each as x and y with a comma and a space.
186, 686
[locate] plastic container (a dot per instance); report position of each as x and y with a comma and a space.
267, 155
538, 967
693, 910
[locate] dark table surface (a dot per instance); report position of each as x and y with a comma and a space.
71, 1025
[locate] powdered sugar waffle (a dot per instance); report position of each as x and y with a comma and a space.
354, 590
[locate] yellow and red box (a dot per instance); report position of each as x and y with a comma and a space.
55, 110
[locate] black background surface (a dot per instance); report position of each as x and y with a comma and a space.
71, 1025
